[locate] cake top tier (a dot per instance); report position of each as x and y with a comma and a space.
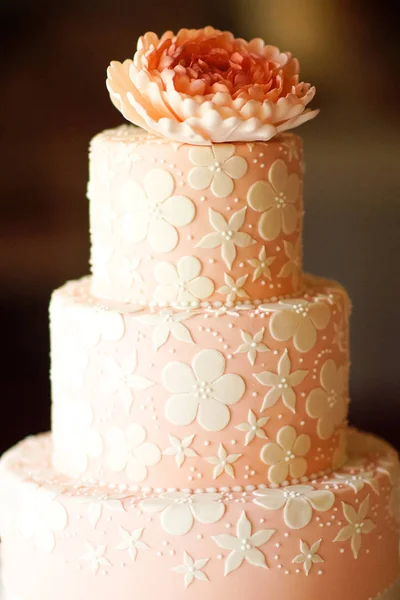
182, 225
201, 86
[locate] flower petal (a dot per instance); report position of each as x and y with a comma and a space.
345, 534
321, 500
162, 236
202, 156
278, 175
235, 167
211, 240
208, 512
177, 519
306, 335
262, 537
200, 178
178, 377
149, 454
317, 403
243, 527
189, 267
283, 325
159, 185
289, 219
329, 375
289, 399
320, 314
178, 211
356, 544
135, 470
233, 562
208, 365
223, 152
261, 196
213, 416
226, 541
181, 409
270, 224
165, 273
135, 435
278, 473
201, 287
297, 513
302, 445
229, 389
298, 467
270, 499
272, 454
222, 185
256, 557
286, 437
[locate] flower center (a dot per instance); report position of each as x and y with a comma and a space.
155, 211
289, 456
245, 544
283, 383
227, 235
332, 398
216, 167
202, 390
301, 310
358, 527
280, 200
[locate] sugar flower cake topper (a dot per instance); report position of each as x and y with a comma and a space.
201, 86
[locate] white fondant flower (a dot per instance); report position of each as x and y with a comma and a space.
95, 556
181, 284
122, 378
216, 166
201, 390
131, 542
287, 455
292, 268
179, 510
77, 440
233, 289
281, 384
328, 403
168, 323
298, 502
356, 480
154, 213
245, 546
227, 235
223, 462
192, 569
276, 199
41, 517
308, 556
101, 324
254, 427
180, 449
358, 525
261, 265
252, 344
129, 451
298, 319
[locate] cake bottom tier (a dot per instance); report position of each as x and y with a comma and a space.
335, 537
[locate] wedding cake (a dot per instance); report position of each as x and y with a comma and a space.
199, 444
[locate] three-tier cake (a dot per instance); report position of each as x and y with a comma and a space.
199, 443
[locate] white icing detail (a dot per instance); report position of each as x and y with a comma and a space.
154, 213
308, 556
358, 525
101, 324
181, 284
298, 319
227, 234
131, 542
356, 481
292, 268
40, 517
254, 427
281, 384
298, 502
216, 167
261, 265
168, 322
287, 455
201, 391
233, 289
180, 449
122, 379
245, 546
95, 556
97, 502
252, 344
192, 569
179, 510
128, 451
223, 462
328, 403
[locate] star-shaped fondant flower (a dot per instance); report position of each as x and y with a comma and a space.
254, 427
192, 569
252, 344
223, 462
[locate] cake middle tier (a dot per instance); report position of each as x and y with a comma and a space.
246, 396
181, 225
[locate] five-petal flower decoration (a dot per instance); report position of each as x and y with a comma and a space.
286, 456
233, 289
216, 166
298, 319
131, 542
41, 517
292, 268
254, 427
262, 265
180, 449
227, 235
182, 284
245, 546
128, 451
192, 569
358, 525
281, 383
252, 344
201, 390
154, 213
298, 502
167, 322
179, 510
122, 379
308, 556
223, 462
276, 199
95, 556
328, 403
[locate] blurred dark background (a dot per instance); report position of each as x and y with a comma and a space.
53, 100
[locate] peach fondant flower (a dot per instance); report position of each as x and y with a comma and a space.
202, 86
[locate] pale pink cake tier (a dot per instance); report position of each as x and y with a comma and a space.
336, 537
200, 398
174, 224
